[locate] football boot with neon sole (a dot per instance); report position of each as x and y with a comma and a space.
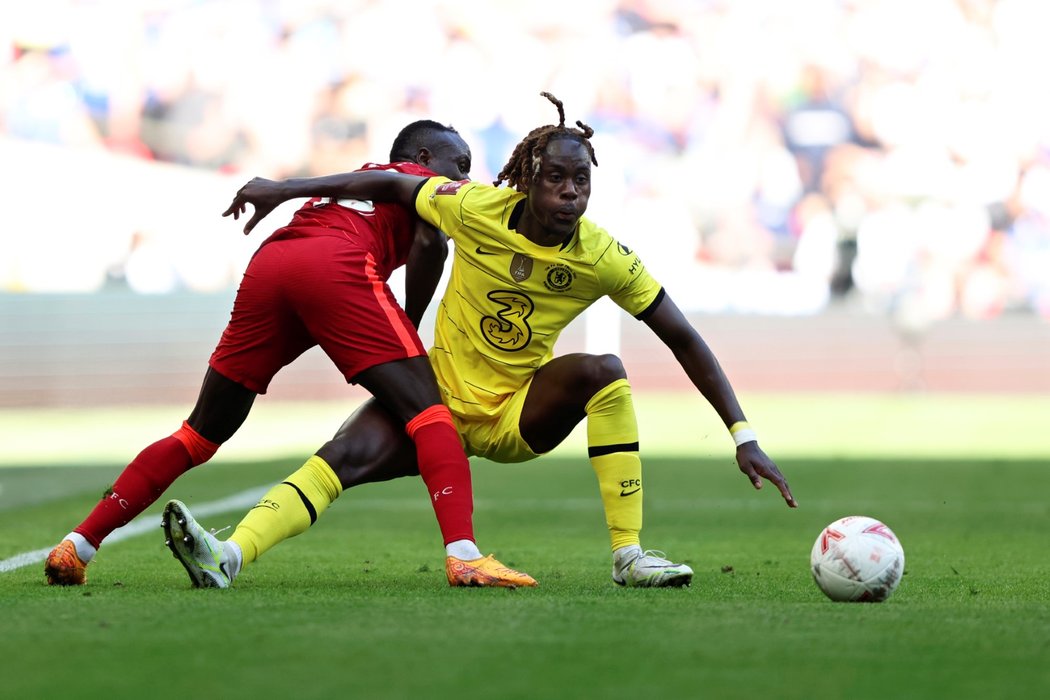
63, 567
637, 569
486, 571
199, 551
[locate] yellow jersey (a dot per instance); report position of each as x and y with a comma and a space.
508, 299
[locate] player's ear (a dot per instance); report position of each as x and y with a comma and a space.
424, 156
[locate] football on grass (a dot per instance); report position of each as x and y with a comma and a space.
857, 558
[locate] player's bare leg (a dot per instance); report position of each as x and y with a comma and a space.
564, 392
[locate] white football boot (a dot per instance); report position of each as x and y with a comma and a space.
637, 569
205, 558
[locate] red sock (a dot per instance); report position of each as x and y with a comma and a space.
143, 481
445, 471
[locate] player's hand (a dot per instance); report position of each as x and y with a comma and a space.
756, 464
262, 194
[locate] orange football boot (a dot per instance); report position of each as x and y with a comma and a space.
64, 567
486, 571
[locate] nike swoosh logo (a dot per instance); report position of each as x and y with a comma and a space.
222, 568
479, 251
628, 493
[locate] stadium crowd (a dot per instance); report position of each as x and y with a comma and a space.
766, 156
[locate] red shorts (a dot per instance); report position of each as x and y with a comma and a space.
301, 292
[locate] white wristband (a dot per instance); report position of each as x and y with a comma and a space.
742, 432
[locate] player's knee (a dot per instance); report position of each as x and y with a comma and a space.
199, 447
601, 370
339, 454
437, 413
355, 462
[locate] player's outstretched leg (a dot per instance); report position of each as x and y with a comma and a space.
209, 562
637, 569
486, 571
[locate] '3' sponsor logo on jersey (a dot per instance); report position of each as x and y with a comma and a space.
506, 327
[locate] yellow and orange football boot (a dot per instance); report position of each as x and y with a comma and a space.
64, 567
486, 571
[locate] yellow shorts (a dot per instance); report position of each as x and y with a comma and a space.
498, 437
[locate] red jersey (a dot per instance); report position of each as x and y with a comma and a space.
383, 229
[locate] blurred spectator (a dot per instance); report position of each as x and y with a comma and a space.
814, 124
41, 102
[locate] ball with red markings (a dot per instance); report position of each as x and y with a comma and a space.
857, 558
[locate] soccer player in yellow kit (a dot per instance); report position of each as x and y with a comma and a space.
526, 264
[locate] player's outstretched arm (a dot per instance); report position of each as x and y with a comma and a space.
706, 373
265, 195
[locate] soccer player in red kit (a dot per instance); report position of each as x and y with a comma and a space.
320, 280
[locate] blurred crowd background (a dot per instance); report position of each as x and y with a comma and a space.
764, 156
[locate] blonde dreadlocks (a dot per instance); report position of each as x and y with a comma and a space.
527, 158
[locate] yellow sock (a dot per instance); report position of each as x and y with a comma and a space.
612, 444
288, 509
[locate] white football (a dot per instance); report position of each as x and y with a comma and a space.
857, 558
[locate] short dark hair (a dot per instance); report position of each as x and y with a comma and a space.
525, 161
415, 136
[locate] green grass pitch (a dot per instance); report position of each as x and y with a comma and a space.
358, 606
